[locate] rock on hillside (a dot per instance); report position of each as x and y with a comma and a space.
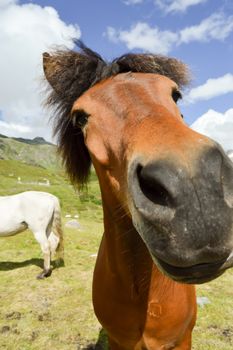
37, 152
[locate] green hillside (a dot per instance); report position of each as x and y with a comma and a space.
34, 165
17, 177
34, 152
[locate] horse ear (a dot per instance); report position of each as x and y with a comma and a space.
60, 69
53, 68
70, 73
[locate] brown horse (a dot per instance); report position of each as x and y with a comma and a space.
167, 192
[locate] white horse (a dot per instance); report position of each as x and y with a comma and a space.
40, 212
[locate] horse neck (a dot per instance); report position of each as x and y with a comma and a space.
125, 252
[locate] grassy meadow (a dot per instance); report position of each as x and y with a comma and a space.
56, 313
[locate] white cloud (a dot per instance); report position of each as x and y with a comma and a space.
218, 126
169, 5
132, 2
144, 37
211, 88
217, 26
230, 155
177, 5
5, 3
12, 129
26, 31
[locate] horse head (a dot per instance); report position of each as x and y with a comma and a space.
174, 184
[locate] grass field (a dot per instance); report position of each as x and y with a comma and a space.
56, 313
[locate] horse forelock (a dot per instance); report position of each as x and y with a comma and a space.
71, 73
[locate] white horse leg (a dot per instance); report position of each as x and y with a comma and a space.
53, 242
42, 239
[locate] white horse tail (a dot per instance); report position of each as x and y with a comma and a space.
57, 230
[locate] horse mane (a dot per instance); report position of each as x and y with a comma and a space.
70, 73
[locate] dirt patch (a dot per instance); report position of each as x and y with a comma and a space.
227, 332
5, 329
33, 335
14, 315
44, 317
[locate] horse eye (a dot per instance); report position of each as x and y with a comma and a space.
176, 95
79, 118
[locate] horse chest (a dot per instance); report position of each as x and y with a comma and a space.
156, 318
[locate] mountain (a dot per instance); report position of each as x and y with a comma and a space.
37, 152
36, 141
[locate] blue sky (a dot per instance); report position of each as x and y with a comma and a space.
199, 32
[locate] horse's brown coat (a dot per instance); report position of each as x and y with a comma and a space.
132, 117
137, 305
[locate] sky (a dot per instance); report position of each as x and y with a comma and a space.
198, 32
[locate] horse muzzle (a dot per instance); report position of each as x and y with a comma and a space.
185, 217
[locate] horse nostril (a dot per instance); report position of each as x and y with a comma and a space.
152, 187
